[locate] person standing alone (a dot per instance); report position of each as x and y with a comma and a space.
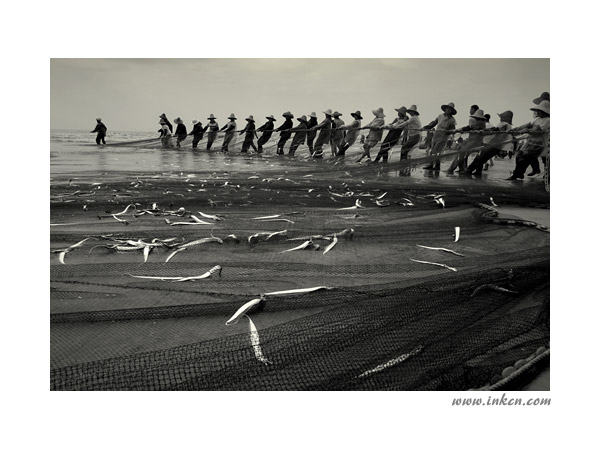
101, 130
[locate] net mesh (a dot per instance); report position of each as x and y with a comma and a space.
112, 331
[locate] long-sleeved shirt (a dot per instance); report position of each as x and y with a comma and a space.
300, 135
164, 130
352, 132
285, 127
230, 128
212, 127
442, 124
541, 132
325, 131
100, 128
412, 126
198, 130
312, 122
500, 139
249, 129
267, 129
375, 133
181, 130
168, 124
338, 135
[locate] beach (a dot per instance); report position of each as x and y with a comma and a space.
384, 318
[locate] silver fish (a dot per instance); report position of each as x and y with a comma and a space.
392, 362
492, 287
330, 246
215, 217
456, 234
255, 341
297, 291
441, 249
302, 246
244, 309
435, 264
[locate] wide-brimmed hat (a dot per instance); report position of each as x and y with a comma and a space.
378, 112
232, 116
328, 112
178, 120
336, 114
163, 116
211, 116
506, 116
302, 119
313, 114
541, 98
288, 114
356, 115
413, 109
543, 106
250, 118
401, 110
451, 106
194, 120
271, 118
478, 115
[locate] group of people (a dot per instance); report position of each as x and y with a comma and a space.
484, 140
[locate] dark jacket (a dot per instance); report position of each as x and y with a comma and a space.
181, 130
100, 128
198, 130
285, 127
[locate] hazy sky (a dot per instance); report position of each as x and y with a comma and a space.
129, 94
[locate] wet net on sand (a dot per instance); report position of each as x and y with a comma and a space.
386, 322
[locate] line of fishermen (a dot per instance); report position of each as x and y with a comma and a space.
405, 129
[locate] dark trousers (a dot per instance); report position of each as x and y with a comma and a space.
408, 146
100, 139
180, 139
479, 161
211, 139
197, 138
281, 143
310, 138
262, 141
388, 143
248, 142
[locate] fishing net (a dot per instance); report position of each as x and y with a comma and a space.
387, 320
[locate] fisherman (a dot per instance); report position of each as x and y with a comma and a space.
284, 134
197, 132
312, 132
101, 130
267, 131
338, 135
375, 134
412, 133
250, 130
473, 141
325, 132
213, 129
163, 116
165, 134
300, 135
538, 140
499, 142
393, 136
487, 139
229, 130
352, 133
180, 131
535, 164
443, 124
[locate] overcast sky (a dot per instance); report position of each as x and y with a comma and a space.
129, 94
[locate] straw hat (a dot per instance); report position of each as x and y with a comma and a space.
232, 116
413, 109
402, 110
302, 119
271, 118
506, 116
211, 117
378, 112
542, 97
313, 114
336, 114
194, 121
288, 114
451, 106
328, 112
356, 115
478, 115
543, 106
178, 120
250, 118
